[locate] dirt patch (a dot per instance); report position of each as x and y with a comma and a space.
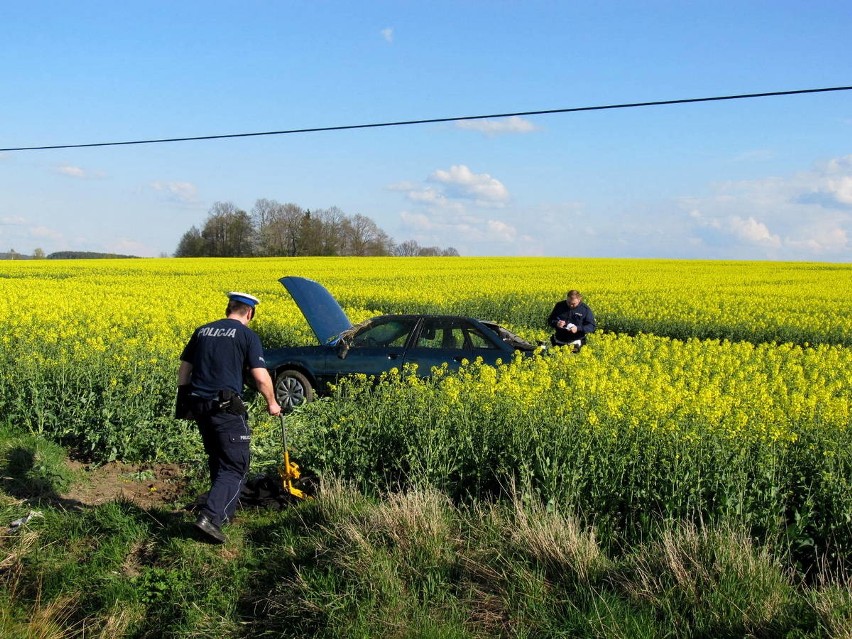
146, 485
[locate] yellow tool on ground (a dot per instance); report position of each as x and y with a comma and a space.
290, 472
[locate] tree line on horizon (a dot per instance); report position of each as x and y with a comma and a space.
272, 229
38, 254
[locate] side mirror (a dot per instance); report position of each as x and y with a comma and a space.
342, 349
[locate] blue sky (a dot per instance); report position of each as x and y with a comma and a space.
757, 179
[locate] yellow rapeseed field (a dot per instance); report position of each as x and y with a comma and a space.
125, 321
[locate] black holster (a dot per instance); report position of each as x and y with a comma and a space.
231, 402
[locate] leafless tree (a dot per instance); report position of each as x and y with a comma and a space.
280, 234
365, 238
332, 230
409, 248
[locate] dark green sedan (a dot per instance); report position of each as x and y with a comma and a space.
377, 345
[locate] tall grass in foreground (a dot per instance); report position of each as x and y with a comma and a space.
411, 564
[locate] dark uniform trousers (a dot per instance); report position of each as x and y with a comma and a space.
226, 439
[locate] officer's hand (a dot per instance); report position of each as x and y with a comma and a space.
274, 409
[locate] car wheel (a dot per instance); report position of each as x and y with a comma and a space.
292, 389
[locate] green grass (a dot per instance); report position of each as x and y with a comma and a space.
404, 564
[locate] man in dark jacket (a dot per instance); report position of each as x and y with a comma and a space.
572, 320
210, 385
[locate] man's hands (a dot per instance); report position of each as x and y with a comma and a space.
264, 384
568, 326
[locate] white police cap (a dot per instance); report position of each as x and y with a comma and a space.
245, 298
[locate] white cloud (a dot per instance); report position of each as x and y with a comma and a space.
501, 231
387, 34
840, 189
181, 192
451, 191
457, 208
839, 165
460, 182
417, 221
24, 235
805, 215
426, 196
78, 172
750, 230
802, 215
71, 171
439, 228
837, 181
823, 240
513, 124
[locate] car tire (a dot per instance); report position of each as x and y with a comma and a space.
292, 389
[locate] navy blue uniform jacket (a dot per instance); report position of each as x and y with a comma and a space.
581, 316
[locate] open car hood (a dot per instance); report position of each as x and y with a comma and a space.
324, 315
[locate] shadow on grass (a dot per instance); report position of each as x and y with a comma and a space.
37, 476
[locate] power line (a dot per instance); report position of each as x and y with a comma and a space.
630, 105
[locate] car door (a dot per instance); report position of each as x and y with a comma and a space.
450, 340
377, 348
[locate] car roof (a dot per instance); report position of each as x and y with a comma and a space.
324, 315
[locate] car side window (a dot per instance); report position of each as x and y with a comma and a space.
430, 337
391, 333
450, 334
440, 333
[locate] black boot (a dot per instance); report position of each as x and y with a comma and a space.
210, 529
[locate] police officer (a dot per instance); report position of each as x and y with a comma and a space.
210, 384
572, 320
